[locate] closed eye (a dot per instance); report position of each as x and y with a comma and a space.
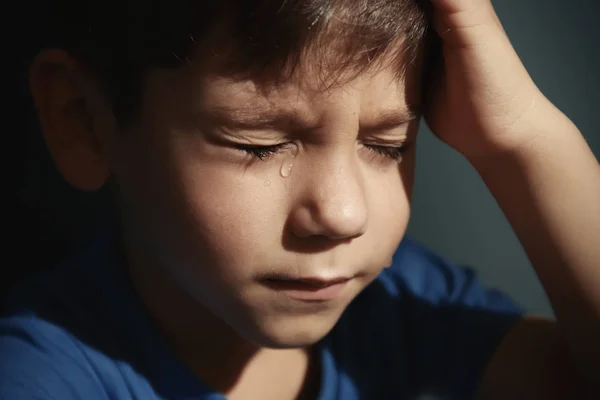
263, 152
392, 152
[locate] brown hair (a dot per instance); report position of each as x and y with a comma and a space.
118, 40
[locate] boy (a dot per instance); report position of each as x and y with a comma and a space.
262, 155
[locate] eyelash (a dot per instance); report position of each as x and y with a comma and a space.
264, 152
392, 152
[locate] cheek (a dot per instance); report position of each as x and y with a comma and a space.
234, 216
225, 217
407, 172
389, 202
198, 210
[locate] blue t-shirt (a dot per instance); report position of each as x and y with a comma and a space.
79, 332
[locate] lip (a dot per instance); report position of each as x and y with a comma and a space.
308, 289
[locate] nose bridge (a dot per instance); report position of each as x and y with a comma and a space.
334, 196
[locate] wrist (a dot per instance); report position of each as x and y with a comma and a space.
546, 135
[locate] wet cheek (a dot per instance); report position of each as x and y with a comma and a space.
234, 218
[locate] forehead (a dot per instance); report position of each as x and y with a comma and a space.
379, 88
310, 93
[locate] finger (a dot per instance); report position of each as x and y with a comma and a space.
466, 22
454, 6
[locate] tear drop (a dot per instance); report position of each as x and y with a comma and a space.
288, 163
286, 168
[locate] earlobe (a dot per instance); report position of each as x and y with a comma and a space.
67, 117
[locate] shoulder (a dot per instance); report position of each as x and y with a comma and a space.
65, 335
41, 360
419, 273
421, 284
423, 324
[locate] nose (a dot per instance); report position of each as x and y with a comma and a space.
331, 202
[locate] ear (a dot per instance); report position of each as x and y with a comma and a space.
72, 118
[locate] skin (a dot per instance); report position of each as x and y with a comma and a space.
186, 190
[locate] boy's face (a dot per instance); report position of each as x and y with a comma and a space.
276, 247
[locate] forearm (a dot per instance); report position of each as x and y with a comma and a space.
550, 192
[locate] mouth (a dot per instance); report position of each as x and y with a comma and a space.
308, 289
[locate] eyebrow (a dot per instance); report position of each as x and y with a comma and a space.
257, 118
390, 119
264, 118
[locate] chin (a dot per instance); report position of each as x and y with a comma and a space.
296, 342
288, 333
